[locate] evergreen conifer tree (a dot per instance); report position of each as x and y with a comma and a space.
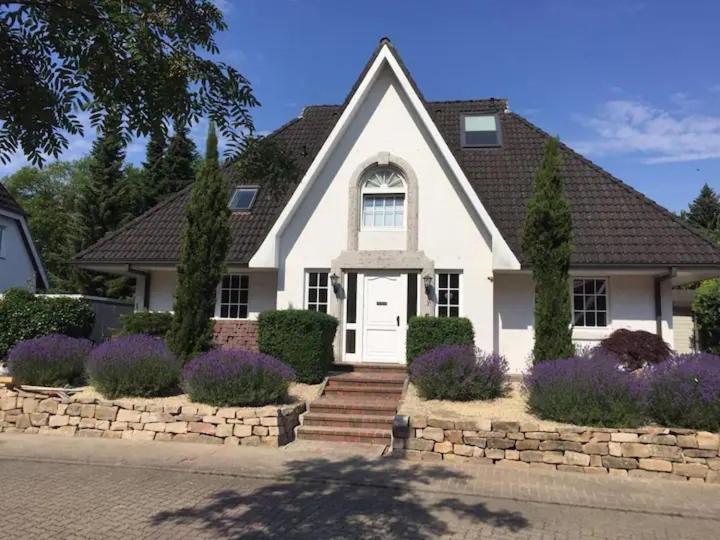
101, 205
179, 160
205, 242
547, 243
704, 211
154, 167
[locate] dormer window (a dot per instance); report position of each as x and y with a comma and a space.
383, 200
243, 198
480, 130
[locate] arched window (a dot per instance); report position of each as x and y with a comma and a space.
383, 199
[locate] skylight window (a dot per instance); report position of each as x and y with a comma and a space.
243, 198
480, 130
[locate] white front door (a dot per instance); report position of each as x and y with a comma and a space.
384, 302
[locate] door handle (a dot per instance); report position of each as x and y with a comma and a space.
398, 320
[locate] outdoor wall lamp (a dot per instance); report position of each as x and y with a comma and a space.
335, 282
428, 281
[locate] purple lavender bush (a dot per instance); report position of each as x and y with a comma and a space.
685, 392
53, 360
137, 365
591, 390
459, 373
233, 377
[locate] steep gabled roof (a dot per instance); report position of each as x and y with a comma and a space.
612, 223
8, 202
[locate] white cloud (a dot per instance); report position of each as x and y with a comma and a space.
623, 127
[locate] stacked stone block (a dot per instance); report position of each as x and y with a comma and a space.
652, 452
28, 412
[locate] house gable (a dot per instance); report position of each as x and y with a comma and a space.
384, 60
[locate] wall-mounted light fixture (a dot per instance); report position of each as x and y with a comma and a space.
428, 281
335, 282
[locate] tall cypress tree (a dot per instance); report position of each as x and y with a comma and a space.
181, 155
704, 211
205, 242
547, 243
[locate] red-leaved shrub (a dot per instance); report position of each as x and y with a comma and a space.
636, 348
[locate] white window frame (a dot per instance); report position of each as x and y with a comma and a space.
219, 302
460, 290
318, 287
463, 132
607, 302
383, 191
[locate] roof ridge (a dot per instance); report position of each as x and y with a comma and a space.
112, 234
474, 100
631, 190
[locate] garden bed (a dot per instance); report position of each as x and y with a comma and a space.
176, 418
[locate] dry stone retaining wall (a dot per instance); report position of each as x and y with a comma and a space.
675, 454
28, 412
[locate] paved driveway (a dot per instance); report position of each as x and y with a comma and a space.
73, 488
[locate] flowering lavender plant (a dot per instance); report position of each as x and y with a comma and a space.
233, 377
53, 360
134, 365
459, 373
685, 391
587, 390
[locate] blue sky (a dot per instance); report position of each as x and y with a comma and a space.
632, 84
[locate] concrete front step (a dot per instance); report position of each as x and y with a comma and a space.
347, 420
361, 407
346, 434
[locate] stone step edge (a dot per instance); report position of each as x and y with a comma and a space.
352, 432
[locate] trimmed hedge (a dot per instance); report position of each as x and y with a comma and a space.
300, 338
24, 315
427, 333
152, 323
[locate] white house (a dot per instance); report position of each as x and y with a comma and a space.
20, 263
408, 207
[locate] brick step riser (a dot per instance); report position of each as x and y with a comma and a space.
392, 397
343, 438
353, 411
347, 424
389, 385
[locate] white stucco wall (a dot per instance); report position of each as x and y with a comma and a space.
261, 293
448, 233
631, 303
16, 268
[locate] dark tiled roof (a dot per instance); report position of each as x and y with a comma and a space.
8, 202
612, 223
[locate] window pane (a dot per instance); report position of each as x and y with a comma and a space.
578, 302
243, 296
233, 312
442, 311
323, 295
243, 312
312, 295
443, 296
578, 286
244, 282
243, 198
590, 318
454, 281
224, 297
579, 319
601, 319
480, 123
589, 302
224, 310
322, 308
313, 279
589, 286
454, 312
226, 282
323, 279
602, 302
443, 281
481, 138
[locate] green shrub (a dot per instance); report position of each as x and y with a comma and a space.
427, 333
303, 339
24, 315
153, 323
707, 315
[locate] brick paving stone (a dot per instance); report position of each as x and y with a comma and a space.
329, 493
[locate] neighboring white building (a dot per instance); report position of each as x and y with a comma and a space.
409, 207
20, 264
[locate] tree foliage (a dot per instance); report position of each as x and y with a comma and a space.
147, 60
547, 244
707, 315
704, 212
180, 159
265, 162
154, 167
205, 242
